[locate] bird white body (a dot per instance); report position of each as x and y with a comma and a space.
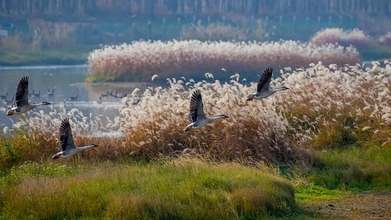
263, 94
21, 103
263, 86
71, 152
196, 115
24, 108
66, 142
202, 122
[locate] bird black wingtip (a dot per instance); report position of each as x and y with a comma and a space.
269, 70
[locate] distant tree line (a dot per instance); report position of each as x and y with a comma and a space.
195, 7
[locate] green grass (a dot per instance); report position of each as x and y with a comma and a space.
58, 56
311, 192
169, 190
355, 169
89, 188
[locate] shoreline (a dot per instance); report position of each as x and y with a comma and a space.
120, 85
59, 66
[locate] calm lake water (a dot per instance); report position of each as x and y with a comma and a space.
67, 82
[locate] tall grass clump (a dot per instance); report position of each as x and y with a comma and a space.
354, 37
182, 189
252, 133
140, 60
385, 39
359, 169
326, 107
36, 138
339, 106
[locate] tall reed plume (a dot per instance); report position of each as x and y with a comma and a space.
326, 107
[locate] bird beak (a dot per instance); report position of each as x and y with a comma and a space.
10, 112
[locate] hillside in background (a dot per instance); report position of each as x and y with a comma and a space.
59, 31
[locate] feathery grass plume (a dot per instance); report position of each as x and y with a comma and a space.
252, 133
385, 39
354, 37
333, 107
140, 60
326, 107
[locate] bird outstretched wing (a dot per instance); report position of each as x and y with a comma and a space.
264, 80
196, 107
66, 138
22, 96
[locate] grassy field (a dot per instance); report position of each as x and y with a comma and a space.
27, 57
190, 188
180, 189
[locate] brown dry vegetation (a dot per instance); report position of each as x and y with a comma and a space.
325, 108
331, 128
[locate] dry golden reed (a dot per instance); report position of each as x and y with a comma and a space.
192, 58
325, 107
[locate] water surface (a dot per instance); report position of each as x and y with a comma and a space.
66, 82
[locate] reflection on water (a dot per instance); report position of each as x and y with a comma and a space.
62, 86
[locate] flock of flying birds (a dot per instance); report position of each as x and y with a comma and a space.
197, 116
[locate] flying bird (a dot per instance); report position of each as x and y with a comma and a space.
263, 88
21, 103
66, 142
196, 115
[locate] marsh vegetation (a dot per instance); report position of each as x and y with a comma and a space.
320, 149
328, 135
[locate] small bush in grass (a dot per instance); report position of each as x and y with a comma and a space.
343, 37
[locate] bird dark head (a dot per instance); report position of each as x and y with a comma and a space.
284, 88
94, 145
220, 116
46, 103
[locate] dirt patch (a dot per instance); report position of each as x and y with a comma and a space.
361, 206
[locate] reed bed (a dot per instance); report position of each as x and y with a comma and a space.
385, 39
326, 107
340, 36
192, 58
